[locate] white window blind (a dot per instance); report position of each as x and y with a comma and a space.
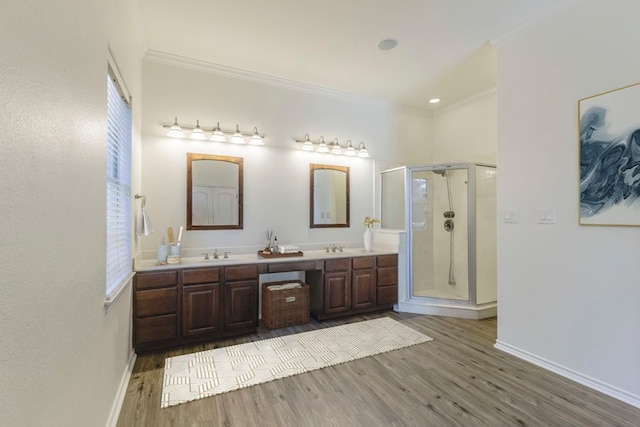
118, 186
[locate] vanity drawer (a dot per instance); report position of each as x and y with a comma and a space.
159, 279
242, 272
388, 260
337, 264
388, 276
292, 266
387, 295
200, 275
156, 301
159, 328
366, 262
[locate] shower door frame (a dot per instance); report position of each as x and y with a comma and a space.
471, 229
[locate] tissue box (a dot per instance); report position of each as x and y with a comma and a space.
285, 307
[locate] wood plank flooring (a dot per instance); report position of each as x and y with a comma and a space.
458, 379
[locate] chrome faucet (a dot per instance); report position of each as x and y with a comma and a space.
215, 254
206, 255
226, 254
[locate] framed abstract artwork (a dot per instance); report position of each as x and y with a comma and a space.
609, 147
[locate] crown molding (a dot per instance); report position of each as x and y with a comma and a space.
160, 57
558, 8
468, 100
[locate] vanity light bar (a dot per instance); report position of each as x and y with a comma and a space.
333, 147
216, 134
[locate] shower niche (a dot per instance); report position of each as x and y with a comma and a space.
450, 223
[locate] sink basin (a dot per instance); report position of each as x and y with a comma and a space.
211, 259
345, 251
230, 258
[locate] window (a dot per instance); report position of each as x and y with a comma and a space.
118, 186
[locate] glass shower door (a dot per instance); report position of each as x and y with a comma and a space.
439, 235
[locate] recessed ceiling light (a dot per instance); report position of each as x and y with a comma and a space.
434, 100
387, 44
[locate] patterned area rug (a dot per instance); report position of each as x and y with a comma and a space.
203, 374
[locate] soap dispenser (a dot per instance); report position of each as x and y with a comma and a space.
163, 252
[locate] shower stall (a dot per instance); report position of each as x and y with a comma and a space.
450, 222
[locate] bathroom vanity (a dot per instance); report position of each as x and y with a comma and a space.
202, 300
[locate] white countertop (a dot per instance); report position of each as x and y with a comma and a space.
234, 259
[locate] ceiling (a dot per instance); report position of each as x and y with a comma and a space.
442, 50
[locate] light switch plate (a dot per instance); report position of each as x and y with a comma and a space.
511, 215
547, 216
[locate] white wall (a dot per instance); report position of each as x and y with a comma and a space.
62, 356
467, 131
276, 176
569, 295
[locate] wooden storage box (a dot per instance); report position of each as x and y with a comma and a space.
285, 307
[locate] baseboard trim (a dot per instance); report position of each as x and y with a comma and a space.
122, 391
602, 387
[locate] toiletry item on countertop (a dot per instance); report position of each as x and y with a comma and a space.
269, 236
173, 259
163, 252
170, 233
288, 249
180, 231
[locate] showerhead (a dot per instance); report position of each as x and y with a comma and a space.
440, 172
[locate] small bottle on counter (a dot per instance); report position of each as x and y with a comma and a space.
163, 252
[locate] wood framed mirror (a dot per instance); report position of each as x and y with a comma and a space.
214, 192
329, 196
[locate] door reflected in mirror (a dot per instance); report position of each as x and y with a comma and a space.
329, 196
392, 184
214, 192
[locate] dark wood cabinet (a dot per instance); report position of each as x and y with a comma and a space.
156, 330
241, 297
363, 289
387, 280
201, 310
201, 297
187, 306
173, 307
337, 286
155, 306
337, 292
241, 305
354, 285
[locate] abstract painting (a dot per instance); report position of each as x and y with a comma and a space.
609, 145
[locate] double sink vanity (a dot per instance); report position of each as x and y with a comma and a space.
201, 300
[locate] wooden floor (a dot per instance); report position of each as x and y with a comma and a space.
458, 379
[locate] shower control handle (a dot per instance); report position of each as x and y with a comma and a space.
449, 214
448, 225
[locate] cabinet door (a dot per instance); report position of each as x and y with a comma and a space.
337, 292
201, 309
241, 304
363, 289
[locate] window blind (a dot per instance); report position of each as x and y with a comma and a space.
118, 186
